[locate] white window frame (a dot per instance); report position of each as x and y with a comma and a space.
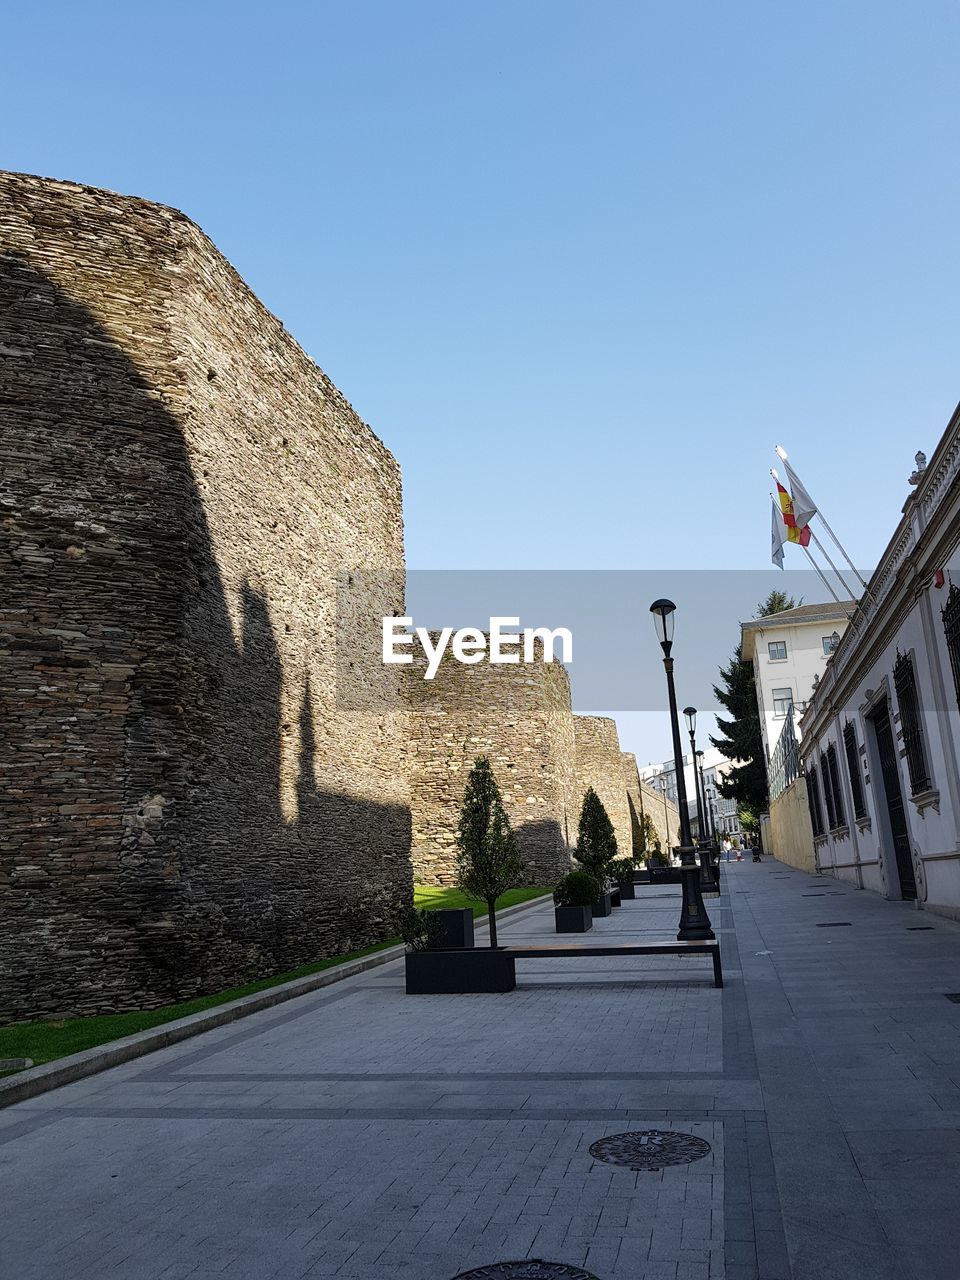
781, 715
770, 645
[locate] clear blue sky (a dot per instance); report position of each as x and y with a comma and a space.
580, 265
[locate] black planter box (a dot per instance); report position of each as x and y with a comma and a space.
456, 928
602, 907
615, 897
641, 876
573, 919
626, 889
480, 969
660, 874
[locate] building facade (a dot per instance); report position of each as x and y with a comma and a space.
880, 737
720, 815
789, 652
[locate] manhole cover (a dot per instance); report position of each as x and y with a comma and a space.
834, 924
650, 1149
531, 1269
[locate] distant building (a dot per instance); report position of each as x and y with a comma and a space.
721, 814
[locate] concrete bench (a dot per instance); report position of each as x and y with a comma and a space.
558, 951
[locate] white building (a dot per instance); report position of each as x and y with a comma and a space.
881, 734
721, 815
789, 652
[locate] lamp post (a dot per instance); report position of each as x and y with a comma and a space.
708, 880
690, 715
694, 922
707, 802
666, 816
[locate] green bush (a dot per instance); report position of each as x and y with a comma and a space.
420, 928
659, 856
622, 869
578, 889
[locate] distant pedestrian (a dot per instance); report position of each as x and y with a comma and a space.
726, 846
755, 850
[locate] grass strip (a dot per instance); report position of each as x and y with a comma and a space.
47, 1041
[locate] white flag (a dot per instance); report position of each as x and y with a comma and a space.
804, 507
778, 535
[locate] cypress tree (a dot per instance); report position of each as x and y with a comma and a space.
488, 861
596, 842
740, 738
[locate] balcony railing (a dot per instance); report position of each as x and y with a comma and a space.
783, 766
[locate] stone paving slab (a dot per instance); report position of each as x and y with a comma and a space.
361, 1134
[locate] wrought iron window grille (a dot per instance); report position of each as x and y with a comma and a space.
905, 683
853, 769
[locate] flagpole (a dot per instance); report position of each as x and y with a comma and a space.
856, 572
822, 575
823, 551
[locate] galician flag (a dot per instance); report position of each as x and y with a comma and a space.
804, 507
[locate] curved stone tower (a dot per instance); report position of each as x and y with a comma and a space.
184, 803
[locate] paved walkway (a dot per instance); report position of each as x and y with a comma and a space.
362, 1134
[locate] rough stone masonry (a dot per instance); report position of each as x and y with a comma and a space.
521, 719
599, 764
184, 802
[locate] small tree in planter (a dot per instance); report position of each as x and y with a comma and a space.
597, 848
573, 897
622, 871
657, 855
488, 862
596, 842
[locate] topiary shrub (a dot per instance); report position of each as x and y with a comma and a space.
578, 889
596, 842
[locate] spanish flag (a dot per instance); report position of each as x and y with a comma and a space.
794, 534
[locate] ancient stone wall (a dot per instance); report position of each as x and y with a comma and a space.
185, 802
519, 717
664, 816
599, 764
636, 805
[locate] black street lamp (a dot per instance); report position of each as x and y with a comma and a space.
708, 880
694, 921
666, 816
707, 802
690, 715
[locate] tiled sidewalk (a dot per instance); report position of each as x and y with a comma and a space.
362, 1134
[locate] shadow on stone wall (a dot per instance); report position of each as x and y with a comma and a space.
636, 831
144, 854
544, 851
